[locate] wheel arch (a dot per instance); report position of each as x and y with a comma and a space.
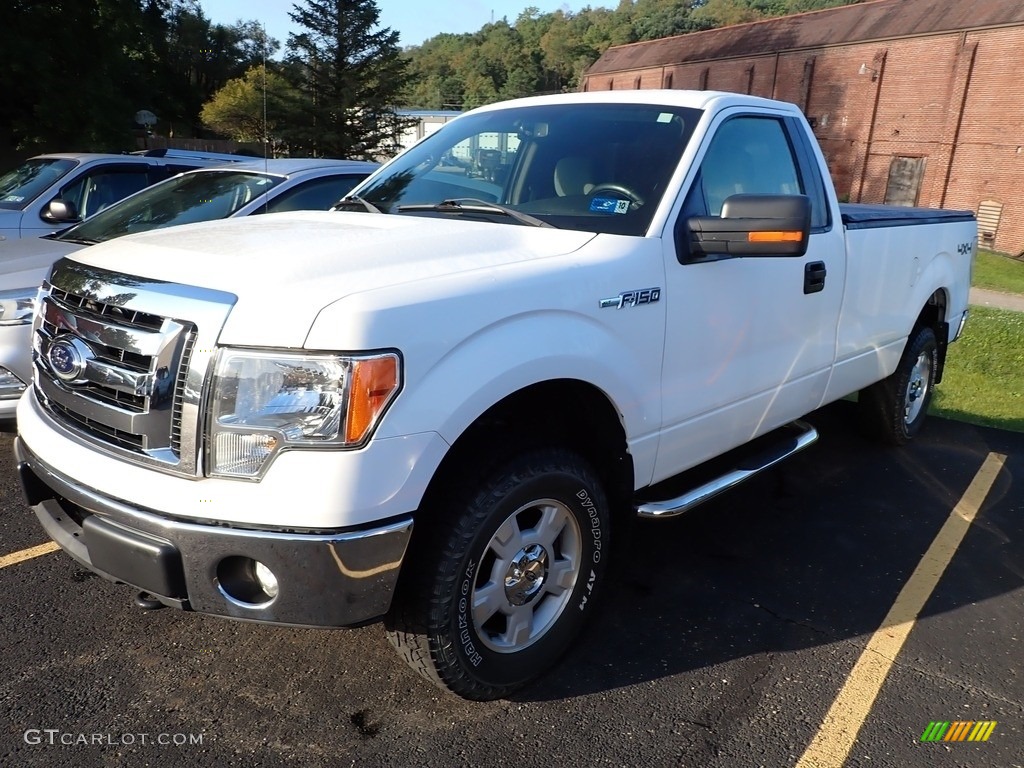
570, 413
934, 315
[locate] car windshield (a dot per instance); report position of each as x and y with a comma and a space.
199, 196
592, 167
25, 183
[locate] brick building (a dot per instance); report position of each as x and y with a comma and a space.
914, 102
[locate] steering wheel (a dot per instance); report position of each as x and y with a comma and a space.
622, 189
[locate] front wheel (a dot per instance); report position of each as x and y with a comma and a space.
503, 579
895, 408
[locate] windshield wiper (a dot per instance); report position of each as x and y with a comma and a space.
474, 205
366, 205
78, 240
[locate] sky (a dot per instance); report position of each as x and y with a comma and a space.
414, 20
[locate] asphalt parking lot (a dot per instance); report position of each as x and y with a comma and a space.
725, 641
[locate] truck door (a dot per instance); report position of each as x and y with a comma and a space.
750, 341
90, 192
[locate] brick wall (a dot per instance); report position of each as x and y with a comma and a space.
952, 103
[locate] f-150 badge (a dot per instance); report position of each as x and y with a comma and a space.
632, 298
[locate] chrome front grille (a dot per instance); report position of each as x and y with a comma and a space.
179, 394
116, 364
101, 431
108, 311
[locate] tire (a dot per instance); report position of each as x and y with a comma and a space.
894, 409
505, 576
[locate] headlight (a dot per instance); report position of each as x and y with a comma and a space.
264, 402
17, 306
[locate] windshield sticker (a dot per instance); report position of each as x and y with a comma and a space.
609, 205
13, 199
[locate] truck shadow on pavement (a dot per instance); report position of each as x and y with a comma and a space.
812, 552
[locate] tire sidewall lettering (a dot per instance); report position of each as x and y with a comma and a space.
464, 626
594, 518
587, 506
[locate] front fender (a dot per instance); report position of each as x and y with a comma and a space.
528, 349
470, 340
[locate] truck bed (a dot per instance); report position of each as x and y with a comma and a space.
864, 216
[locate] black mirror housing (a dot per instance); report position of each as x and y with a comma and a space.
753, 225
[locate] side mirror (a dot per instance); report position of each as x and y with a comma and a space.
752, 225
59, 211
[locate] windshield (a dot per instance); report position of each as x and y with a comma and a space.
25, 183
200, 196
592, 167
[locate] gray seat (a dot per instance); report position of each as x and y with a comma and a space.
574, 175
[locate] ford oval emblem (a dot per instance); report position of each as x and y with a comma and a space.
68, 357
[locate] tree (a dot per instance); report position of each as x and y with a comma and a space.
72, 74
75, 73
439, 81
197, 58
545, 52
653, 19
721, 13
352, 73
251, 108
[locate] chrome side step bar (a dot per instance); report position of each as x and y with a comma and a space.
804, 436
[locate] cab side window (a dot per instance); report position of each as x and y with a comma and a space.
747, 155
313, 195
93, 192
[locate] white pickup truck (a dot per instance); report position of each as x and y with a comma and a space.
439, 405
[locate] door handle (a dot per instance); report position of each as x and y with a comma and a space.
814, 277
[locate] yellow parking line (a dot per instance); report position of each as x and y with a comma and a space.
27, 554
837, 734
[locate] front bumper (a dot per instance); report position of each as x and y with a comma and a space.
15, 366
328, 579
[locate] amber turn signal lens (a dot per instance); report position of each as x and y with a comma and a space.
775, 237
374, 383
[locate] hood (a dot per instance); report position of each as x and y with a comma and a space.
25, 263
284, 268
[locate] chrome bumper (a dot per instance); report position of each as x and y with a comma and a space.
15, 366
327, 579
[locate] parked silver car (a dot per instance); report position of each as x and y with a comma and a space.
48, 192
238, 189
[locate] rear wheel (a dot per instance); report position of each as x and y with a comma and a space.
503, 579
895, 408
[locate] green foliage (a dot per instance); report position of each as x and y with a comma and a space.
982, 382
722, 13
196, 58
998, 273
75, 73
252, 108
654, 19
350, 71
543, 53
61, 85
